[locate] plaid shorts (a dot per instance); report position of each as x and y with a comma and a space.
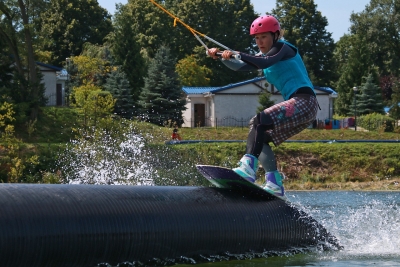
291, 117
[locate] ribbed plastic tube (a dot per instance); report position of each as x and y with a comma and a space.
85, 225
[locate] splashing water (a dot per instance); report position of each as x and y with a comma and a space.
127, 156
106, 160
367, 224
371, 230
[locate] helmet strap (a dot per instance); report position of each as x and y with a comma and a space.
276, 38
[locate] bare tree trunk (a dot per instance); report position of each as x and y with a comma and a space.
11, 38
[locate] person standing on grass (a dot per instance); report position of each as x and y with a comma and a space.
284, 68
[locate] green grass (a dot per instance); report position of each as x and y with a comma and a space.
55, 125
237, 133
307, 166
365, 162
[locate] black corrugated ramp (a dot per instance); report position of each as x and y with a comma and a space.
85, 225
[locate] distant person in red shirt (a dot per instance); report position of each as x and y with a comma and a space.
175, 136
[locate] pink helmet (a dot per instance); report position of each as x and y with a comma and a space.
266, 23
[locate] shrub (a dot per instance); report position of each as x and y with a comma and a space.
375, 122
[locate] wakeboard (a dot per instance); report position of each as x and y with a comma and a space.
226, 178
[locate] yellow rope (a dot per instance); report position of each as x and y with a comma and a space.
176, 19
193, 31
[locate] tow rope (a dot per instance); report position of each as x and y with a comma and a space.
194, 32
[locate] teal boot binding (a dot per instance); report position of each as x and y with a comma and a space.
248, 166
273, 184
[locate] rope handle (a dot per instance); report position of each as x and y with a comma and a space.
235, 56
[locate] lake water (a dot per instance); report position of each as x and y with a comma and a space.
367, 224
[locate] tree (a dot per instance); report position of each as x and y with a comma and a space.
386, 84
153, 28
370, 100
6, 114
265, 100
89, 69
111, 77
227, 22
161, 98
93, 103
390, 90
379, 25
304, 27
6, 69
191, 74
18, 32
394, 102
126, 49
100, 104
354, 62
87, 94
68, 24
15, 168
371, 48
144, 21
118, 85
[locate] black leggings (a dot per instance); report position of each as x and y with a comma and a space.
257, 136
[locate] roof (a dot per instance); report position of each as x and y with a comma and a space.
201, 90
325, 89
387, 109
49, 66
190, 90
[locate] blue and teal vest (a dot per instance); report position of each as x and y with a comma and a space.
288, 75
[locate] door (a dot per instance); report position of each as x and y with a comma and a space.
199, 115
59, 95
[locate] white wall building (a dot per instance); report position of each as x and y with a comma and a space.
235, 104
54, 79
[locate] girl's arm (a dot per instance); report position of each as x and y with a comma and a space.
278, 52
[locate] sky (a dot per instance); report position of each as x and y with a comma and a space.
337, 12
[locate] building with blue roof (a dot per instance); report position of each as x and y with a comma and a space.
211, 106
